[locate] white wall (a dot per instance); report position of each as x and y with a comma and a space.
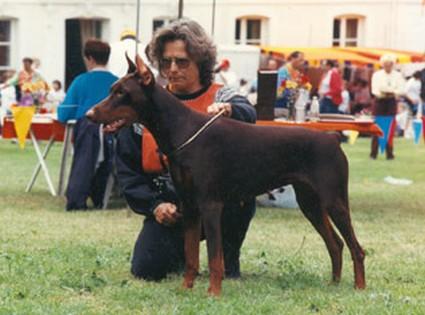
40, 25
39, 30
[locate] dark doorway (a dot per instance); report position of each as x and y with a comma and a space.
77, 31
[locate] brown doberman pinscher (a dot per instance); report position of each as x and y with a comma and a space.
216, 165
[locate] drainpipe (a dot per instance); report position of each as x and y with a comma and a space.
180, 15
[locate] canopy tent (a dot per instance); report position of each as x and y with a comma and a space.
315, 55
376, 53
354, 55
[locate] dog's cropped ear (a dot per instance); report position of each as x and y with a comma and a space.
131, 66
144, 72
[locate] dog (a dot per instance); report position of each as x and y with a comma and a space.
217, 166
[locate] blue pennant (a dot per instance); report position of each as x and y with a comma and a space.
417, 130
384, 122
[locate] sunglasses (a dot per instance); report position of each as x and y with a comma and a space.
181, 63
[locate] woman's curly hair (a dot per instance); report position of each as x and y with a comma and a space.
199, 47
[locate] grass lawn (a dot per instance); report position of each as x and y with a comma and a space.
53, 262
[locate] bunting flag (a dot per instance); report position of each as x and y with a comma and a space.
23, 117
385, 123
353, 136
392, 132
423, 124
417, 130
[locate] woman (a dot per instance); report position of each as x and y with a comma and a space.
330, 89
92, 150
186, 57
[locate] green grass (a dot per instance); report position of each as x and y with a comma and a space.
53, 262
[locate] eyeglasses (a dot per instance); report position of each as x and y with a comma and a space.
181, 63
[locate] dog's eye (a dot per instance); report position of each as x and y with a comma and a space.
119, 93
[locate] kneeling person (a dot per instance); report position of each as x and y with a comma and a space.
186, 56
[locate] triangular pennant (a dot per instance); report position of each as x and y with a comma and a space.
423, 124
353, 136
393, 128
23, 117
417, 130
384, 122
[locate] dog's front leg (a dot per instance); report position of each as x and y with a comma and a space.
211, 221
192, 235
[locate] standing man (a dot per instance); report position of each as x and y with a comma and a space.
290, 71
387, 85
27, 75
186, 57
91, 162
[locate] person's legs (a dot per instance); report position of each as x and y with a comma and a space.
389, 150
235, 223
158, 251
100, 178
327, 106
374, 147
86, 150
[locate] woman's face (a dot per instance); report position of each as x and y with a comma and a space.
55, 86
182, 72
27, 66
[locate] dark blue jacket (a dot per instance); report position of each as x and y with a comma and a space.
144, 191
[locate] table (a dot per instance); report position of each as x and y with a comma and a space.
363, 126
45, 127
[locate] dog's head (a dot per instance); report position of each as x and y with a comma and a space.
128, 99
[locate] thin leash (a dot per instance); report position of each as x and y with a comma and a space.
202, 129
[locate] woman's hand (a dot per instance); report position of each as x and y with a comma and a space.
216, 107
166, 213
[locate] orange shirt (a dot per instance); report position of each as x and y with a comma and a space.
151, 156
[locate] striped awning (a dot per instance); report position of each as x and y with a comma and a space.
354, 55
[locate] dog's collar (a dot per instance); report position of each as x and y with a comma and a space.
197, 133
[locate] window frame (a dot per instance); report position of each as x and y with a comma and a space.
343, 40
8, 44
165, 21
242, 30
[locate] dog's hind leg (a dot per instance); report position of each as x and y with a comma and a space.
211, 222
340, 215
310, 205
192, 235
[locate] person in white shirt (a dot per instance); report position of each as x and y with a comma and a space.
413, 92
55, 96
7, 95
387, 85
344, 107
226, 76
127, 44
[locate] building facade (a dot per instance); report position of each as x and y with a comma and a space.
54, 30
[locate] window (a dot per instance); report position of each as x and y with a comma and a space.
253, 34
5, 45
346, 31
238, 31
250, 31
351, 32
157, 24
160, 22
91, 29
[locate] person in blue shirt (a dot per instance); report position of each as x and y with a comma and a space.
92, 158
